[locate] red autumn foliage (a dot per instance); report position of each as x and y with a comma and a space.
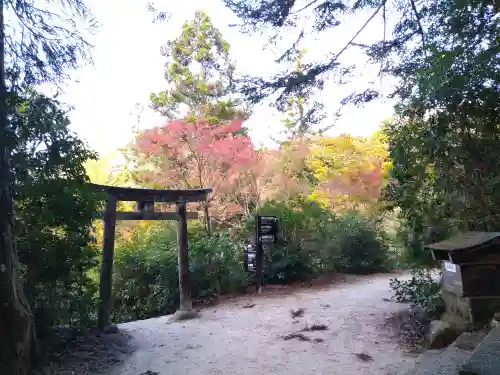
191, 154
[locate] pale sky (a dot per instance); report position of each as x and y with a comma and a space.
128, 67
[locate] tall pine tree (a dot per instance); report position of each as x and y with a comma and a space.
199, 73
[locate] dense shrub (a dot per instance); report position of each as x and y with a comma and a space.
304, 247
145, 277
411, 242
361, 248
413, 253
216, 263
146, 271
422, 291
313, 240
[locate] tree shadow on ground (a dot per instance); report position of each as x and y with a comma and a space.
92, 352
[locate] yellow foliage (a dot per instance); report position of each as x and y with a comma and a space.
106, 170
348, 169
319, 197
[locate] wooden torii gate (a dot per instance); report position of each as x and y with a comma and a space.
145, 199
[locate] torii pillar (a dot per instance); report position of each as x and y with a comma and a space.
145, 199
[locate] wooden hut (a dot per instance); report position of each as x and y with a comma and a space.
470, 264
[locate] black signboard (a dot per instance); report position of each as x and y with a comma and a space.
267, 229
266, 233
249, 258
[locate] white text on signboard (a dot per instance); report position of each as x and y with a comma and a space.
450, 267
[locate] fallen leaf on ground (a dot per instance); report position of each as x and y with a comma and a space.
297, 313
296, 335
315, 327
364, 357
192, 347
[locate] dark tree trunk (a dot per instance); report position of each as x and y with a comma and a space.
16, 321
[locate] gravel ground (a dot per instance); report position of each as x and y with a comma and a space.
257, 335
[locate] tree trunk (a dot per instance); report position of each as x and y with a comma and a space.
16, 320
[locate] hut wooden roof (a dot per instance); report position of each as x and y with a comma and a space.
465, 241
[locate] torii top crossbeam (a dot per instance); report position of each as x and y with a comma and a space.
155, 195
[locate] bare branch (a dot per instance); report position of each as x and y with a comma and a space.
419, 22
304, 7
360, 30
292, 50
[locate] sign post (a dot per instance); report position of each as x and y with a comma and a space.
266, 230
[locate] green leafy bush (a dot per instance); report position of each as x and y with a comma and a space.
422, 291
312, 240
145, 279
413, 253
304, 247
146, 271
54, 208
216, 263
361, 248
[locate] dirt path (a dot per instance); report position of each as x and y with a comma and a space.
230, 339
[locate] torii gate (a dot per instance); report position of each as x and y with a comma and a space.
145, 199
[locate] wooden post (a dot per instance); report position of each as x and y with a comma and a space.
108, 244
183, 256
259, 255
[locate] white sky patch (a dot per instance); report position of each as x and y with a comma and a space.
129, 66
